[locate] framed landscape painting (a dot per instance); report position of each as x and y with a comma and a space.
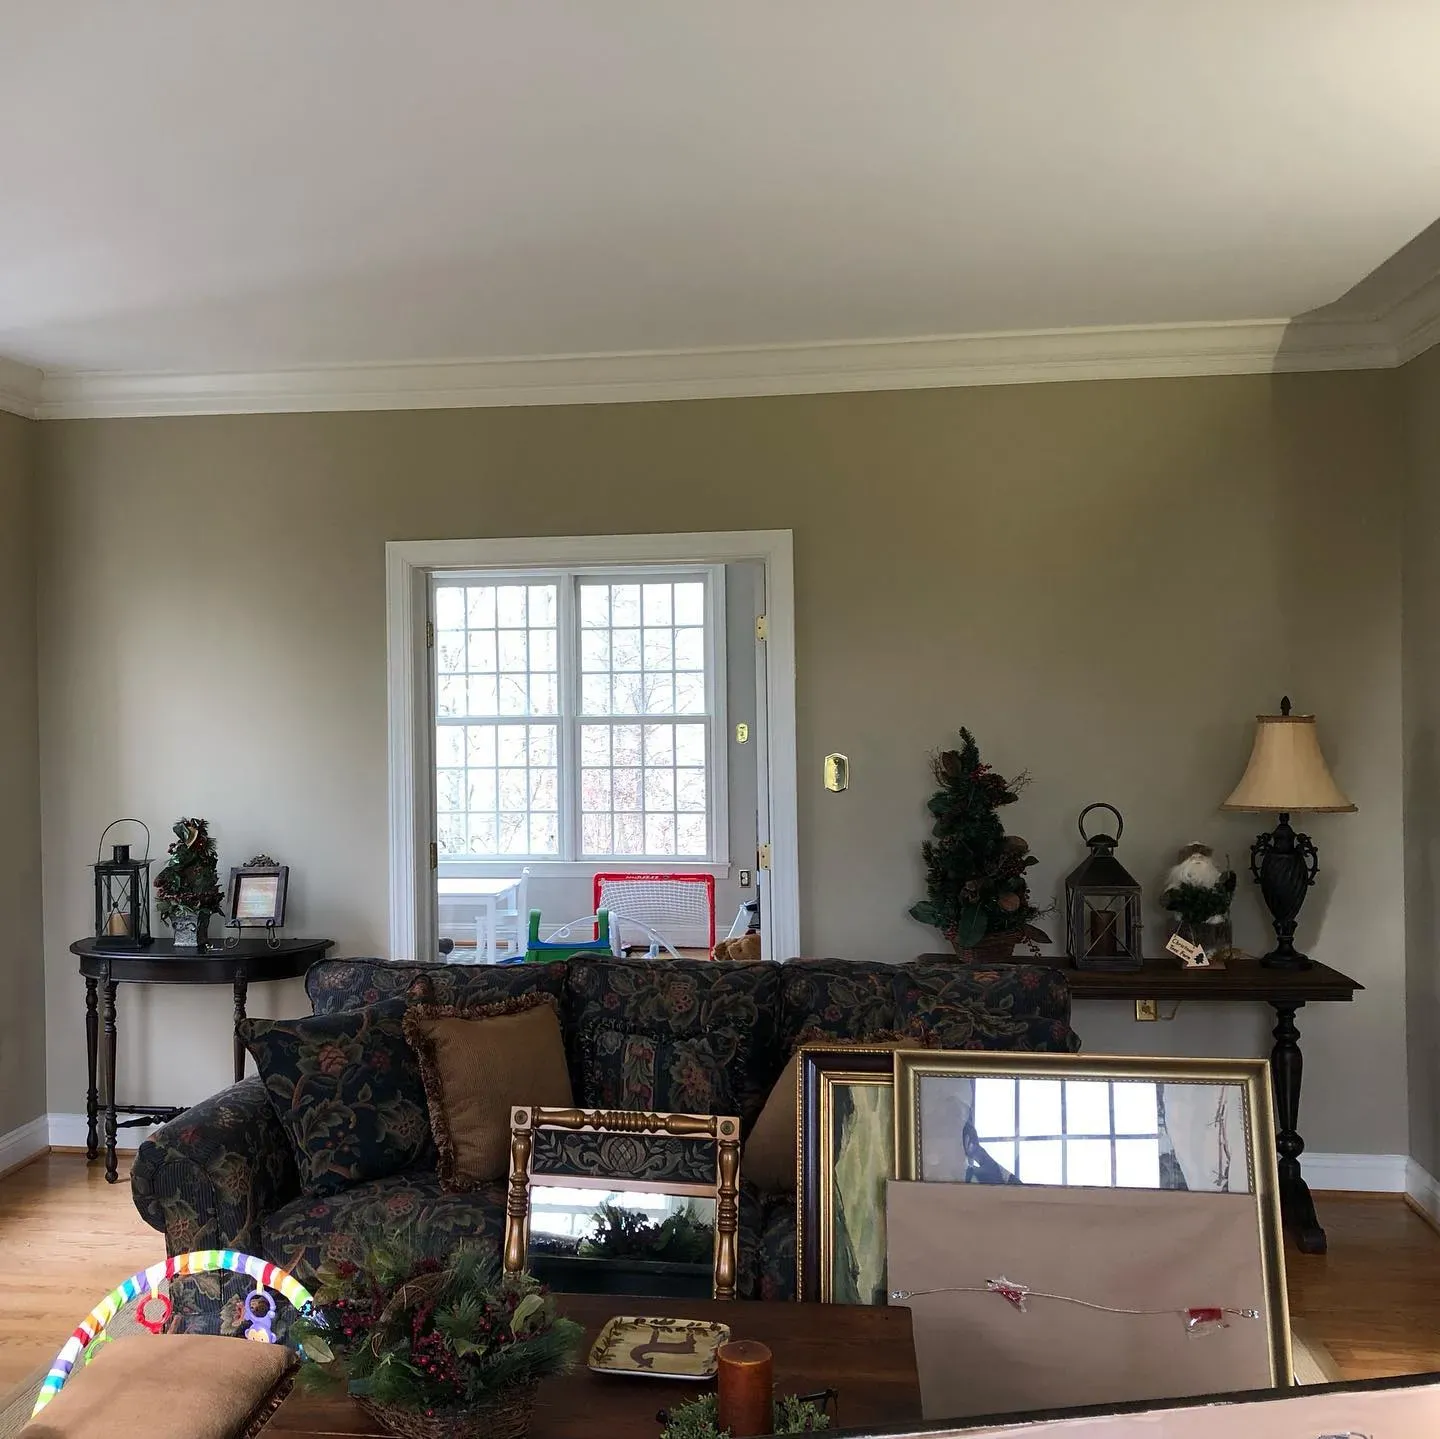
847, 1153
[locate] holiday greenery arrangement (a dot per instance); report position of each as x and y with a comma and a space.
189, 879
975, 872
439, 1350
699, 1419
680, 1238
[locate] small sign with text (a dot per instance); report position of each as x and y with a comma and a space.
1191, 955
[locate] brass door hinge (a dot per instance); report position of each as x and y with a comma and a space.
429, 634
762, 857
762, 628
434, 855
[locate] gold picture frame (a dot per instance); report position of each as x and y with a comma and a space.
914, 1070
721, 1131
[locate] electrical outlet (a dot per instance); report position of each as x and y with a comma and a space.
746, 879
1146, 1009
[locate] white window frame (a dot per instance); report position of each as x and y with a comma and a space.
408, 567
571, 862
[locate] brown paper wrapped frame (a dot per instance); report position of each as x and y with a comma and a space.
723, 1131
912, 1066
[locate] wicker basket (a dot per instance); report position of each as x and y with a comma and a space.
506, 1416
1000, 948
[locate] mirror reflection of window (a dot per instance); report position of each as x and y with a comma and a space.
1071, 1132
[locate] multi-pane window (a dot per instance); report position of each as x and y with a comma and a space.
576, 716
1071, 1132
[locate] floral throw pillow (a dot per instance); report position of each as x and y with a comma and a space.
629, 1068
347, 1090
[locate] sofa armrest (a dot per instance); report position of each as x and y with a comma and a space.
208, 1178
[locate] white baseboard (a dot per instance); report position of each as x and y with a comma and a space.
68, 1131
1424, 1189
24, 1143
1361, 1173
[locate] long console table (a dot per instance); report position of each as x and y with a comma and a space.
252, 961
1243, 980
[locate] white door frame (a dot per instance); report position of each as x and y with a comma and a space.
408, 564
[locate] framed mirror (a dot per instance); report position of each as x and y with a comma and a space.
1083, 1121
624, 1202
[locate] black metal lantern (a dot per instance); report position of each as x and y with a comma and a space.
1102, 904
122, 894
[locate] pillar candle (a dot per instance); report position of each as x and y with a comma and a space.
745, 1383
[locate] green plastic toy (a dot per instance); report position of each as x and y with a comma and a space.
544, 951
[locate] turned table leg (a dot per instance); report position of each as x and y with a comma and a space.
112, 1168
92, 1055
241, 988
1286, 1068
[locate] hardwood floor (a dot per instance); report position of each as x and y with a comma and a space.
67, 1238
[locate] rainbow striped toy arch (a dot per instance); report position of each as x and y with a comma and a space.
198, 1261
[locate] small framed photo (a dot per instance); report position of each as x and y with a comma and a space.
257, 895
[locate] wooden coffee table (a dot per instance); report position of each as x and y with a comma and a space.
867, 1353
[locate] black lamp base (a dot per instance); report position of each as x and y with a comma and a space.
1284, 865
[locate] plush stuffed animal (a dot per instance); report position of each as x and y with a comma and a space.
746, 948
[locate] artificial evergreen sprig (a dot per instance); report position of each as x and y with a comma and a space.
700, 1418
408, 1329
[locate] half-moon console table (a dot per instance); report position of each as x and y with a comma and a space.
252, 961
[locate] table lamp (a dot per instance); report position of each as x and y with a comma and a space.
1287, 774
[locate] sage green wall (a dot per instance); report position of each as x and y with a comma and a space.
1421, 389
22, 971
1106, 581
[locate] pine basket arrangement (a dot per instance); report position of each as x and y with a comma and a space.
431, 1348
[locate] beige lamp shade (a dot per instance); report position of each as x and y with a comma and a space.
1287, 772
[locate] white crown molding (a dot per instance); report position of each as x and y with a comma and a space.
1414, 323
20, 388
934, 362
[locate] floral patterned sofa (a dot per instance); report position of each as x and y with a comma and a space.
688, 1035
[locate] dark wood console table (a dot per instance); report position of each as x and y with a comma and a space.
1286, 991
251, 961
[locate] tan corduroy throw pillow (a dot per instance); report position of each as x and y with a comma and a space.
170, 1386
476, 1064
769, 1160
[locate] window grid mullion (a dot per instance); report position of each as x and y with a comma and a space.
567, 651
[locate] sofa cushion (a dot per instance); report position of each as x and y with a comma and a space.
336, 984
999, 1006
697, 1036
346, 1089
312, 1231
476, 1062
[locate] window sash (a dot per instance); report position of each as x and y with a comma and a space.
569, 721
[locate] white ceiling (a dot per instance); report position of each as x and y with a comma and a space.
288, 183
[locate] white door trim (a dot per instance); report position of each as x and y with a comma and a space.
407, 567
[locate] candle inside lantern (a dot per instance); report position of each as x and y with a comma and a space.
745, 1381
117, 924
1104, 940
